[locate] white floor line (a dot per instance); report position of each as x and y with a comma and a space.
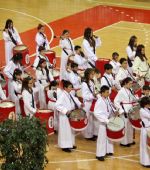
131, 160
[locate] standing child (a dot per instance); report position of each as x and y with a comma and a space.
146, 91
64, 105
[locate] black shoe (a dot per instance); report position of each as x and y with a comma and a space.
128, 145
92, 139
100, 158
146, 166
66, 150
109, 154
74, 147
133, 143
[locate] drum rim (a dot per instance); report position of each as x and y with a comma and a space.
45, 52
20, 45
7, 102
45, 110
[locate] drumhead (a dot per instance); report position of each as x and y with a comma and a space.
20, 47
115, 124
49, 52
44, 111
55, 73
77, 114
134, 112
6, 104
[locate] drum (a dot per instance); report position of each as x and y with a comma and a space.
51, 55
78, 120
56, 74
23, 49
100, 64
93, 105
148, 138
134, 116
115, 129
7, 110
47, 116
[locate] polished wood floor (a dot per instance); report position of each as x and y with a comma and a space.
26, 15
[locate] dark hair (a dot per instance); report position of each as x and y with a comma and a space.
144, 101
53, 83
17, 57
73, 65
104, 88
108, 66
146, 87
7, 25
126, 81
114, 54
65, 31
131, 41
139, 52
87, 72
66, 83
77, 47
97, 71
25, 83
122, 60
42, 60
16, 73
41, 48
39, 26
87, 36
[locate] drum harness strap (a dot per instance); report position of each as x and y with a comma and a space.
92, 65
76, 106
12, 38
107, 81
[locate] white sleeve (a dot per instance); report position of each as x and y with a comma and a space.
8, 70
36, 62
6, 37
38, 40
86, 94
50, 94
145, 114
130, 53
104, 82
117, 102
61, 44
27, 102
99, 112
51, 76
136, 65
87, 48
2, 94
59, 105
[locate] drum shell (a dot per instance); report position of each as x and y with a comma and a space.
100, 64
48, 118
51, 55
115, 136
136, 124
78, 125
5, 112
25, 54
113, 95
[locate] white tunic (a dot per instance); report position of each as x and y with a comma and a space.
130, 53
9, 44
67, 47
81, 61
75, 79
102, 111
144, 153
89, 51
40, 40
65, 133
141, 68
110, 82
116, 66
2, 94
28, 105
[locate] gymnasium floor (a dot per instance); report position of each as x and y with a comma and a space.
114, 21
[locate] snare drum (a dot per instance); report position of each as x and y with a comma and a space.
7, 110
23, 49
47, 116
78, 120
56, 74
51, 55
100, 64
134, 116
115, 129
93, 105
148, 138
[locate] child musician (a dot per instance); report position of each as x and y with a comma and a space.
42, 55
43, 77
41, 39
64, 105
114, 62
102, 111
90, 43
145, 117
124, 102
28, 97
146, 91
88, 94
67, 47
16, 89
80, 58
11, 38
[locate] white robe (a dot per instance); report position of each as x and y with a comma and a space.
65, 44
87, 99
89, 51
141, 68
39, 39
66, 138
116, 66
124, 96
2, 94
110, 79
102, 112
81, 61
42, 82
130, 53
28, 107
144, 153
9, 45
75, 79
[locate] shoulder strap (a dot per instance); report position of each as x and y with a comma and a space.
12, 38
76, 106
107, 81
